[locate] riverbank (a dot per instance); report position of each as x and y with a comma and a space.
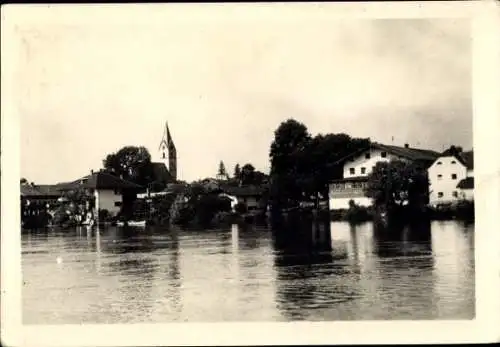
463, 210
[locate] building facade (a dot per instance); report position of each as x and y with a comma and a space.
451, 179
110, 192
359, 165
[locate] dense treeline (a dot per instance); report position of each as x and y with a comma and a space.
302, 165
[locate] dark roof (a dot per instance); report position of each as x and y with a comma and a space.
467, 158
41, 190
161, 173
415, 154
244, 190
466, 183
29, 190
101, 180
409, 152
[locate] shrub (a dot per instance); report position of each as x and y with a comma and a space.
104, 215
357, 214
240, 208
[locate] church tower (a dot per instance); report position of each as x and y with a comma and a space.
168, 152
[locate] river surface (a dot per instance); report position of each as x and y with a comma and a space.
122, 275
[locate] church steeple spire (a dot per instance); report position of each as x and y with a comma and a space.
167, 150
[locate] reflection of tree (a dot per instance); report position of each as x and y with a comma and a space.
132, 240
302, 233
403, 241
307, 272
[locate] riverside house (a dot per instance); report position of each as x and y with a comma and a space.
359, 165
109, 192
451, 178
250, 195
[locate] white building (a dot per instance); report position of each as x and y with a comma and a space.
357, 167
451, 179
108, 190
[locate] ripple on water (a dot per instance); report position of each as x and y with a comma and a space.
159, 276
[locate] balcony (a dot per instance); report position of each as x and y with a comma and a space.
347, 189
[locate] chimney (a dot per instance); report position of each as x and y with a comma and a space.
91, 172
407, 145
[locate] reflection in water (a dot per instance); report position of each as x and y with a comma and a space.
308, 270
330, 271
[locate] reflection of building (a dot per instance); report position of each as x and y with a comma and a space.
451, 178
357, 167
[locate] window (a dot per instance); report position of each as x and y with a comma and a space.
455, 194
363, 170
383, 154
352, 171
118, 203
440, 177
453, 176
453, 162
439, 163
440, 194
367, 155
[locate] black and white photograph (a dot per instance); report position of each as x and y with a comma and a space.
242, 163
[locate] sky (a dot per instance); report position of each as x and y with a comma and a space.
89, 84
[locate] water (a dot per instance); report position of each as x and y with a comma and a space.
118, 275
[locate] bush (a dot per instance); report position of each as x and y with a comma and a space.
355, 213
240, 208
465, 210
104, 215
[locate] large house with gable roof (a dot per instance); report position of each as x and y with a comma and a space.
451, 178
359, 165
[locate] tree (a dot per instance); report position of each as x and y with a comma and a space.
260, 178
453, 150
303, 166
237, 172
247, 174
288, 167
397, 183
131, 163
324, 159
221, 173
